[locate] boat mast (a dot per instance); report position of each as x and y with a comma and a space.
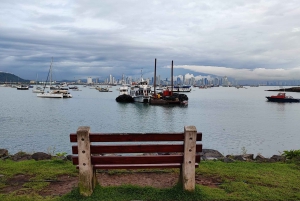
172, 78
51, 72
155, 78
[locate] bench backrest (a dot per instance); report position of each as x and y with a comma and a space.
119, 150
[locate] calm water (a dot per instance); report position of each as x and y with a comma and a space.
229, 119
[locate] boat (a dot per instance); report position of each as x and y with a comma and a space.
183, 88
50, 94
73, 87
124, 94
65, 93
141, 91
124, 90
167, 96
103, 89
22, 87
37, 89
282, 98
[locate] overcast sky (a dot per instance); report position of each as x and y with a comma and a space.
257, 39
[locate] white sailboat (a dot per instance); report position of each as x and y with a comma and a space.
37, 89
49, 94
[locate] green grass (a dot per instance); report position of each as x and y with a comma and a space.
238, 181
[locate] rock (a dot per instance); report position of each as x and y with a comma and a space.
3, 153
228, 160
239, 157
260, 158
248, 156
40, 156
278, 158
69, 157
21, 156
243, 157
211, 154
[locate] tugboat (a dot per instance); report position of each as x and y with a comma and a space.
167, 97
282, 98
124, 96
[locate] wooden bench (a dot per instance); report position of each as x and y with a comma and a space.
107, 149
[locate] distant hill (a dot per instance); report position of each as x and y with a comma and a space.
8, 77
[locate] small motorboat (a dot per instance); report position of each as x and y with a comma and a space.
282, 98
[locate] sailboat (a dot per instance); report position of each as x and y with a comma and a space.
49, 94
37, 89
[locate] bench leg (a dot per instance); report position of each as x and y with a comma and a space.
87, 175
188, 166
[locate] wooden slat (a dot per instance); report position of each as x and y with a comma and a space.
160, 159
152, 148
133, 137
142, 148
140, 166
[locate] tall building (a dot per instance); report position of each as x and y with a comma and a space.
89, 80
110, 79
216, 81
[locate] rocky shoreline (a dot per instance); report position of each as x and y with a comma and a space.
207, 154
292, 89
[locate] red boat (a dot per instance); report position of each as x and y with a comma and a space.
282, 98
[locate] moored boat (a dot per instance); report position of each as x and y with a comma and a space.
37, 90
124, 96
183, 88
282, 98
22, 87
57, 93
141, 92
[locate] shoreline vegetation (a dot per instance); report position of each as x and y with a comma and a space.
42, 176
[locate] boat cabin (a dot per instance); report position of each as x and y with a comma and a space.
279, 95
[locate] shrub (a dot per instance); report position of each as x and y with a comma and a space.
292, 154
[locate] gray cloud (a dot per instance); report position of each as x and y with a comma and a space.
243, 39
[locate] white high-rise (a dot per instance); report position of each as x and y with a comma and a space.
89, 80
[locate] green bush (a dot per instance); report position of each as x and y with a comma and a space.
292, 154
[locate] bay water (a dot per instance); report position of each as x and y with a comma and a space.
232, 120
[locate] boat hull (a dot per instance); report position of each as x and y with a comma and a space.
141, 99
283, 100
49, 95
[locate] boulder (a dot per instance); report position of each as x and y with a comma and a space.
261, 158
69, 157
248, 156
3, 153
21, 156
238, 157
228, 160
211, 154
243, 157
278, 158
40, 156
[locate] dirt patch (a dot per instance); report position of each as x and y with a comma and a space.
212, 182
15, 183
64, 184
156, 180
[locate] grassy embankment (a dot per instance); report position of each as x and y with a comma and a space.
238, 181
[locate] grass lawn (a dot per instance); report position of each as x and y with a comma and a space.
233, 181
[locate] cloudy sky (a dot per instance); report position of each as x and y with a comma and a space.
257, 39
